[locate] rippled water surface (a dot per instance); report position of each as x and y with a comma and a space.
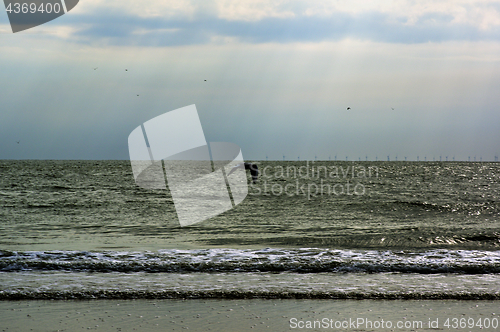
360, 225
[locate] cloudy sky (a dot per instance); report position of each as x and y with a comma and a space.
422, 78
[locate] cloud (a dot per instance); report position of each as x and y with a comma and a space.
484, 13
188, 22
126, 29
282, 73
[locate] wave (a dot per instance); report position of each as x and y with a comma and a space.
306, 260
451, 206
237, 294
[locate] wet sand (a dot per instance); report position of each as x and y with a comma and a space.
248, 315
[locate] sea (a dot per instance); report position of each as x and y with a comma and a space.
306, 230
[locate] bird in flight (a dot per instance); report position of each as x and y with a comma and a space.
348, 108
392, 108
96, 68
205, 80
18, 142
126, 69
137, 95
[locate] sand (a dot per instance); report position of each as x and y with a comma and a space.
248, 315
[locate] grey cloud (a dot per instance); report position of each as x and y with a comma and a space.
120, 29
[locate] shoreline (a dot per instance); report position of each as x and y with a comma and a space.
240, 295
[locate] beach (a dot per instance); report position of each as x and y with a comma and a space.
248, 315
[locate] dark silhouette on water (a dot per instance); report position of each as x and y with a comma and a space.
254, 170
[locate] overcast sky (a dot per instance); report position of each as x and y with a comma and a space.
422, 78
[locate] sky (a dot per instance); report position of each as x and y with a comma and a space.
421, 78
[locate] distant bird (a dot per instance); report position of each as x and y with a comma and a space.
126, 69
348, 108
96, 68
205, 80
137, 95
18, 142
392, 108
254, 170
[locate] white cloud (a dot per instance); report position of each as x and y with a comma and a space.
480, 13
483, 14
171, 23
5, 29
156, 8
253, 10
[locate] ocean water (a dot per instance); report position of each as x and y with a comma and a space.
389, 230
